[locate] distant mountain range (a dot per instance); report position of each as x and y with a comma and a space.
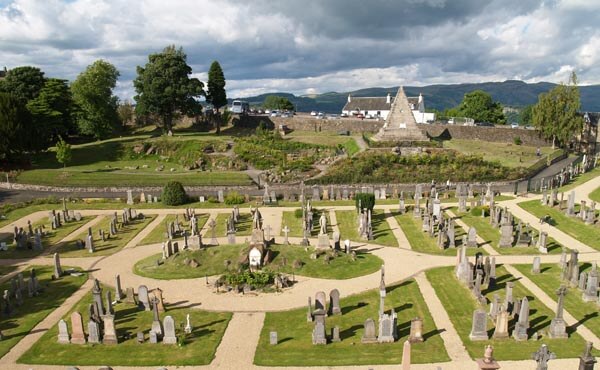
510, 93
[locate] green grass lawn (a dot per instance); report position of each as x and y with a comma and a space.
157, 235
50, 239
200, 347
243, 227
35, 309
212, 262
460, 304
421, 242
508, 154
595, 195
491, 235
295, 347
111, 245
322, 138
573, 226
295, 224
382, 233
549, 281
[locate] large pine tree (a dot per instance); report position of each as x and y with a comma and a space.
216, 86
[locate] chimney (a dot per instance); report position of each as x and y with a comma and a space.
349, 98
388, 99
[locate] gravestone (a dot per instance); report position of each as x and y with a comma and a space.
77, 333
169, 327
520, 331
143, 297
416, 330
89, 244
334, 302
558, 327
369, 335
220, 196
386, 328
318, 334
591, 290
152, 337
472, 237
587, 360
110, 334
335, 334
542, 356
57, 267
273, 338
63, 332
93, 332
535, 269
118, 290
501, 330
320, 301
130, 296
542, 242
479, 326
129, 197
506, 235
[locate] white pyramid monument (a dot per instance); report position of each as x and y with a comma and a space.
400, 124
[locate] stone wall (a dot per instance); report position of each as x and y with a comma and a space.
308, 123
495, 134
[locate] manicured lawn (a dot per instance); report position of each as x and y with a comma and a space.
200, 347
549, 281
295, 347
49, 240
421, 242
508, 154
491, 235
573, 226
111, 245
102, 177
595, 195
158, 234
295, 224
35, 309
460, 304
212, 262
243, 227
382, 233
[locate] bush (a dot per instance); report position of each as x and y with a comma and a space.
517, 140
173, 194
233, 197
298, 213
367, 200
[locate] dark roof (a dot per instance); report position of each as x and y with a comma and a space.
374, 103
591, 117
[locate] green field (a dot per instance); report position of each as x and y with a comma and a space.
573, 226
295, 347
549, 281
508, 154
460, 303
382, 233
212, 262
421, 242
491, 235
111, 245
50, 239
157, 235
199, 348
35, 309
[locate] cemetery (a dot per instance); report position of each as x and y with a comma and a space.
276, 249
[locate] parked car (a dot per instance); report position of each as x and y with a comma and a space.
514, 125
274, 113
360, 115
344, 114
313, 113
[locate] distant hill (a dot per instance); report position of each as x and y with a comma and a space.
511, 93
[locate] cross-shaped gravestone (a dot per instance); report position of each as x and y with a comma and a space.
286, 231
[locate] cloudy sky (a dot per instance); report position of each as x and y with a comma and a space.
312, 46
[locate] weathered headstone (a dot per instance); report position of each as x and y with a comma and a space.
369, 335
520, 331
118, 290
57, 267
501, 330
77, 333
63, 332
143, 297
416, 330
334, 302
93, 332
273, 338
169, 327
479, 326
535, 269
110, 333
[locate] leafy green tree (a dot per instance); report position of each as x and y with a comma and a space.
24, 82
63, 152
479, 105
526, 116
164, 87
97, 106
125, 112
52, 109
216, 94
174, 194
555, 113
366, 201
16, 129
278, 102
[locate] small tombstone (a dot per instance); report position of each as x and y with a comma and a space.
479, 326
130, 296
63, 332
472, 237
153, 338
416, 330
140, 335
143, 297
169, 327
369, 335
320, 301
535, 269
273, 338
334, 302
110, 334
335, 334
77, 335
93, 332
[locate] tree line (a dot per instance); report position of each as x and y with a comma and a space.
37, 111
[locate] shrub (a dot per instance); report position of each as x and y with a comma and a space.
367, 200
173, 194
233, 197
517, 140
298, 213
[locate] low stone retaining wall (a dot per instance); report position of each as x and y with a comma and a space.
495, 134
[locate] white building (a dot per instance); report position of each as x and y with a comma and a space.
379, 107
